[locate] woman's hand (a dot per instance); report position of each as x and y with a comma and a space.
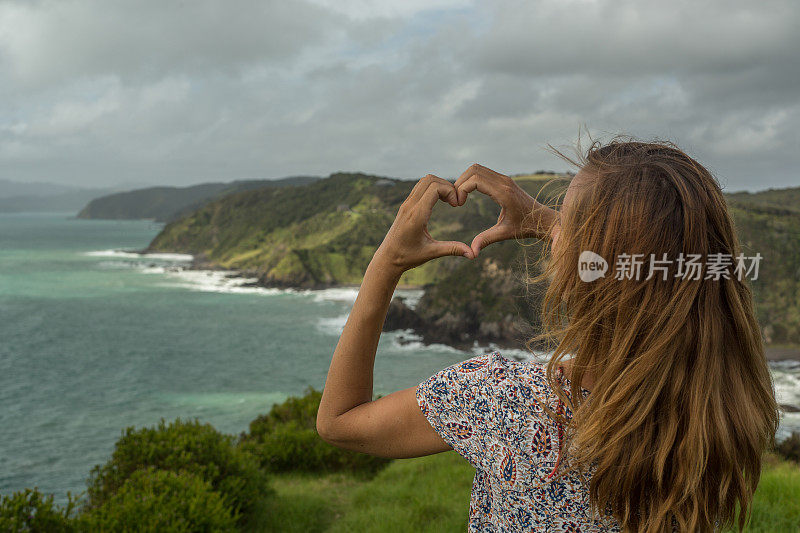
521, 216
407, 243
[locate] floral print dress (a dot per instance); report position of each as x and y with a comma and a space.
485, 409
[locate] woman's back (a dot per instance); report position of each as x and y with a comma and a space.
486, 408
682, 404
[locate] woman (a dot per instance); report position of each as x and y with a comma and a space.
659, 418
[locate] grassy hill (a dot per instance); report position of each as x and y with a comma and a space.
319, 235
324, 234
167, 203
432, 494
768, 223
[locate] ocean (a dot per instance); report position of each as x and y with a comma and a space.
96, 338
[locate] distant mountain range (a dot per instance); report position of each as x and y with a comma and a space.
125, 200
164, 204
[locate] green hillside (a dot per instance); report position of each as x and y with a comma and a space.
324, 234
319, 235
787, 199
168, 203
768, 223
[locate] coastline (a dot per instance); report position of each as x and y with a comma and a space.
402, 318
773, 353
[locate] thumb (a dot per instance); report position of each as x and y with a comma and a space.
487, 237
443, 248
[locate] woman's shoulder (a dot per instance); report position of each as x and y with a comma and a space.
499, 371
529, 376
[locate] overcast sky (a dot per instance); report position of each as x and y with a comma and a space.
100, 92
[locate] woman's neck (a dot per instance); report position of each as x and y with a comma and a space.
587, 381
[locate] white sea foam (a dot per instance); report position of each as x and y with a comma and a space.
229, 281
332, 325
216, 281
520, 354
335, 294
406, 340
153, 270
135, 255
786, 377
175, 270
411, 296
348, 295
787, 386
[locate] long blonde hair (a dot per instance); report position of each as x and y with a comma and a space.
682, 404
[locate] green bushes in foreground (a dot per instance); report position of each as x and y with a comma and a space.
186, 476
286, 440
189, 476
191, 447
161, 500
30, 510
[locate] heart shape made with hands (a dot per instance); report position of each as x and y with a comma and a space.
484, 237
516, 206
500, 231
503, 229
409, 244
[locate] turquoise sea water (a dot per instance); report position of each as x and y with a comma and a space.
93, 340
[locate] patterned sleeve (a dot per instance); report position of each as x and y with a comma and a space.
467, 404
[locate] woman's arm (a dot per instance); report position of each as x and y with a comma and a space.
391, 426
394, 426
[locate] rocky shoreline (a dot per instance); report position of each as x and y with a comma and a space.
460, 332
509, 333
451, 331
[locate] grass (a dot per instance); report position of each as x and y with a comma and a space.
432, 494
776, 505
424, 494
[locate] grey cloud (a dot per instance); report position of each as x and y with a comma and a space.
234, 90
642, 37
50, 42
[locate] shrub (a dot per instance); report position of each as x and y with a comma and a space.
789, 448
182, 446
286, 439
160, 500
30, 510
300, 409
290, 447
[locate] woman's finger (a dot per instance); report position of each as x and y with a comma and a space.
418, 189
422, 185
452, 195
494, 234
443, 248
479, 182
438, 189
476, 171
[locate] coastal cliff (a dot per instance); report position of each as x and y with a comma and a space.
324, 234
